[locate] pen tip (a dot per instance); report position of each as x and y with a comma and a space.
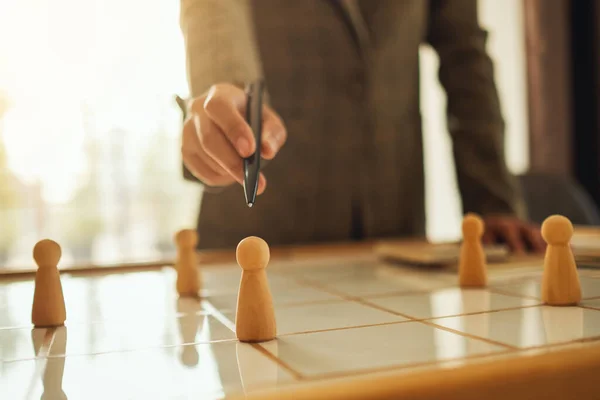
250, 204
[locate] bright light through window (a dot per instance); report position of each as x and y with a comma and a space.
90, 130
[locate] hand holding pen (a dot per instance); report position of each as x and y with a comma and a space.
217, 137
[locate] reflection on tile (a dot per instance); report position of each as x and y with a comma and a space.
290, 293
380, 346
325, 316
448, 302
112, 336
254, 369
590, 287
152, 373
144, 296
527, 327
188, 305
23, 343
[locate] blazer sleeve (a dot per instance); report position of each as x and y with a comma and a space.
474, 116
220, 46
220, 43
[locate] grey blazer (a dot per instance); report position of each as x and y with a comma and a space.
344, 76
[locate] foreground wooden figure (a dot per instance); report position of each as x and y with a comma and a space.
560, 283
255, 317
48, 300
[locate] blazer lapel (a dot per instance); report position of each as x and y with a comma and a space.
357, 23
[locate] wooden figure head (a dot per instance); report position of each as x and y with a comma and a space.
47, 253
186, 238
557, 230
472, 227
252, 254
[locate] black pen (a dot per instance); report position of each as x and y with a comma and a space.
254, 93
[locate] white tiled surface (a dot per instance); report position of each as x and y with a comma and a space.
447, 302
334, 271
186, 348
593, 272
288, 294
203, 371
590, 287
146, 295
326, 316
227, 279
528, 327
368, 286
382, 346
123, 336
360, 279
131, 336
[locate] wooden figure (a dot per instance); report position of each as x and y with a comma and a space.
560, 282
186, 265
255, 318
472, 267
48, 300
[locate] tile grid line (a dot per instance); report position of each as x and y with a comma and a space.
468, 335
559, 345
231, 325
407, 319
325, 376
442, 363
513, 294
307, 282
589, 307
464, 334
506, 293
333, 375
350, 298
317, 285
129, 350
400, 367
417, 364
366, 301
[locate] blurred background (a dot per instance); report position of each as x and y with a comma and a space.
90, 131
